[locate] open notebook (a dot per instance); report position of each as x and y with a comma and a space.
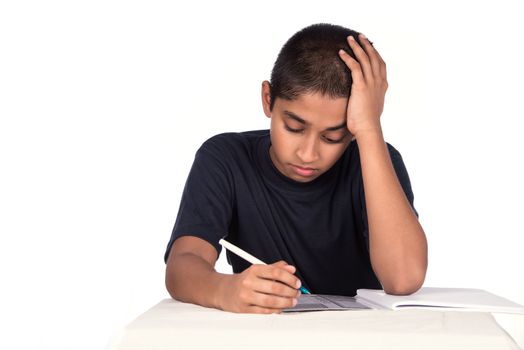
456, 299
323, 302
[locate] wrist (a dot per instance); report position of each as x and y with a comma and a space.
222, 281
369, 134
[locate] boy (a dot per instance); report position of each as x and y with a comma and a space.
294, 196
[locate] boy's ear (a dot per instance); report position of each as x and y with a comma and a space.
266, 98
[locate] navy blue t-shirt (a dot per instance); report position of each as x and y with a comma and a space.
234, 191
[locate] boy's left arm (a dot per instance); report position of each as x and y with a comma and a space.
397, 243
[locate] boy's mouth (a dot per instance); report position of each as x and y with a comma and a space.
303, 171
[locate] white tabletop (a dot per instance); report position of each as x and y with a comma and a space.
175, 325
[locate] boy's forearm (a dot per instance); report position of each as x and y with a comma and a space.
398, 246
191, 279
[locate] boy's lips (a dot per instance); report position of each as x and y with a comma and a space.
303, 171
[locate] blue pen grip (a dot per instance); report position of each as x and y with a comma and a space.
304, 290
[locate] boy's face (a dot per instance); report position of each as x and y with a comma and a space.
308, 134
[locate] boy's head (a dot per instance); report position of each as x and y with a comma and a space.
309, 63
307, 101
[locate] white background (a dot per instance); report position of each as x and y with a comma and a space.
104, 103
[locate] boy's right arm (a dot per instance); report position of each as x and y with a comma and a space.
191, 277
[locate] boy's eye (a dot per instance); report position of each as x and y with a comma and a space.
288, 128
332, 140
328, 140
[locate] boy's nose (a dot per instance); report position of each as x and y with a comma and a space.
308, 151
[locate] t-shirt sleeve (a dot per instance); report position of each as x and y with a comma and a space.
403, 177
206, 205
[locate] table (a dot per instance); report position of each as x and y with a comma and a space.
175, 325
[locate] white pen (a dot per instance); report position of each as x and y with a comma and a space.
248, 257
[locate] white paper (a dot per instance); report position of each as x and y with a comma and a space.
458, 299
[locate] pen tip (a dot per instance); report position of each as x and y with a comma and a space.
304, 290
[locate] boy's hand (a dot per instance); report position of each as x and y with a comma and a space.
262, 289
369, 87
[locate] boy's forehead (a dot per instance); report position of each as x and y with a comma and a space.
316, 108
316, 98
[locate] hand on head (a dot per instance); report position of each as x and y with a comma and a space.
368, 90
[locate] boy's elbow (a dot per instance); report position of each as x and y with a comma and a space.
402, 290
169, 283
405, 286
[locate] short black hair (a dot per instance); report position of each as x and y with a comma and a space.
309, 63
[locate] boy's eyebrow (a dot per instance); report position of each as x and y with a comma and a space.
302, 121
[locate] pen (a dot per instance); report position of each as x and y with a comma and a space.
248, 257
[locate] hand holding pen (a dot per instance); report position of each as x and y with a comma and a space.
261, 288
